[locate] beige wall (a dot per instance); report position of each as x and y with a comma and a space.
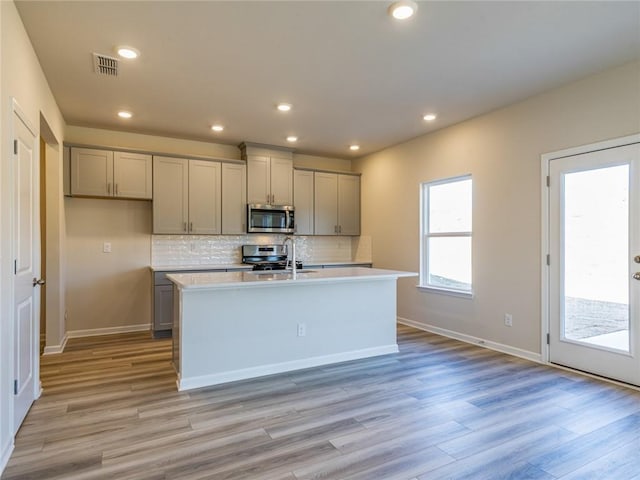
106, 290
175, 146
321, 163
21, 78
55, 252
151, 143
502, 151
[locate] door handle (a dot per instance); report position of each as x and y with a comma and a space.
636, 275
40, 282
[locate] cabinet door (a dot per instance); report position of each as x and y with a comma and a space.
170, 199
281, 181
326, 203
349, 204
258, 180
205, 197
303, 201
91, 172
132, 175
163, 307
234, 198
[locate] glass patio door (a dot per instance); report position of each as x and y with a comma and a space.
594, 247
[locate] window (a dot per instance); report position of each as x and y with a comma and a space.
446, 235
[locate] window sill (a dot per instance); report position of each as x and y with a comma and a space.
443, 291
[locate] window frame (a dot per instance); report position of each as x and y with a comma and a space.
425, 235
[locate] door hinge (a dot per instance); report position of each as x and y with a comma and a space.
548, 259
548, 181
15, 147
548, 338
15, 387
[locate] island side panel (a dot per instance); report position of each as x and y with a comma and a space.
231, 334
177, 312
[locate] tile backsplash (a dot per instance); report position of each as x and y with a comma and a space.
172, 250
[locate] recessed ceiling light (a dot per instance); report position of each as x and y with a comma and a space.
284, 107
430, 117
125, 114
217, 128
292, 138
403, 9
128, 52
354, 147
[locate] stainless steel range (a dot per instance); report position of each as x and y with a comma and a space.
267, 257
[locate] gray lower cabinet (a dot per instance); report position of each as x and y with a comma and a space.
162, 301
163, 308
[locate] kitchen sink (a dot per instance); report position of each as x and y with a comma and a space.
277, 274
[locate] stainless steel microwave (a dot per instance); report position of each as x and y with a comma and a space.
270, 218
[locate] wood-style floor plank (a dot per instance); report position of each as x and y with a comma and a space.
439, 409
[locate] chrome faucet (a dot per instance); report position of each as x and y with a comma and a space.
291, 259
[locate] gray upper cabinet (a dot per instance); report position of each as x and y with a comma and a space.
105, 173
336, 204
171, 195
205, 197
269, 174
348, 205
303, 201
269, 180
187, 197
234, 198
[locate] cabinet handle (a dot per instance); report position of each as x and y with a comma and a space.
184, 227
339, 228
116, 189
268, 198
335, 229
109, 188
191, 226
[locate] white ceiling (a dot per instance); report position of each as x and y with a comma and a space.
351, 72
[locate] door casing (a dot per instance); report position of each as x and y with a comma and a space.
544, 267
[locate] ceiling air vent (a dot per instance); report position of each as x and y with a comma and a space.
104, 65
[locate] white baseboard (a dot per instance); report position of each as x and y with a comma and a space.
481, 342
108, 331
6, 454
51, 349
262, 370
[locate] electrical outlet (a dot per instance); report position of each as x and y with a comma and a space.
508, 320
302, 329
106, 247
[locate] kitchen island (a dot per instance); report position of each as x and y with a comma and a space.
238, 325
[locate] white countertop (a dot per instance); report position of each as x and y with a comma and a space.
220, 280
244, 266
180, 268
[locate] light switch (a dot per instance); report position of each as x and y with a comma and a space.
106, 247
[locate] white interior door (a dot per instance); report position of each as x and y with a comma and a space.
26, 242
594, 247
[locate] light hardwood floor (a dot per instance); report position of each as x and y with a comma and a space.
440, 409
